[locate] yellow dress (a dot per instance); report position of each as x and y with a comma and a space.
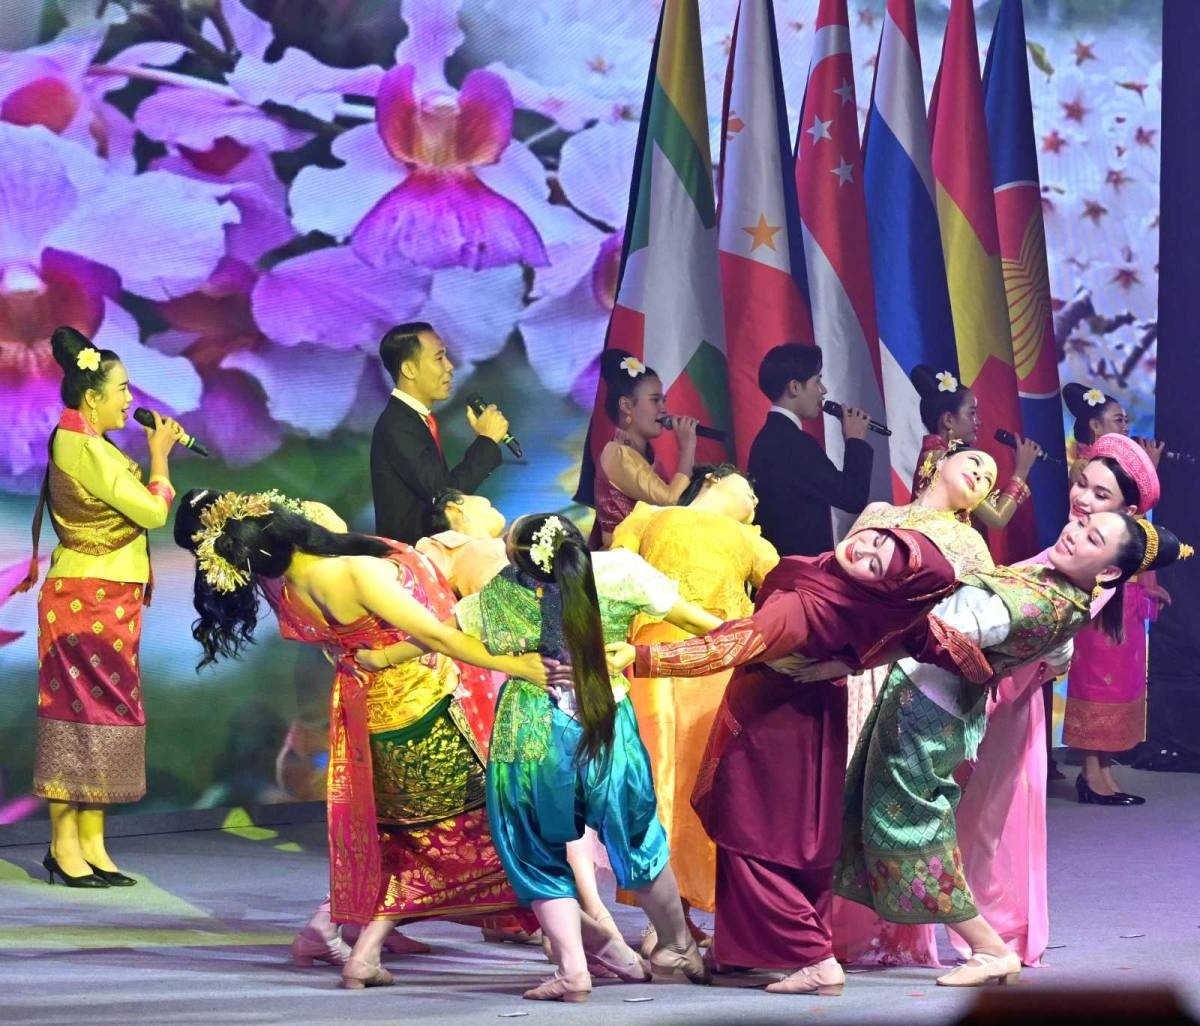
714, 559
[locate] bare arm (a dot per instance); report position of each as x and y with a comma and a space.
694, 619
377, 591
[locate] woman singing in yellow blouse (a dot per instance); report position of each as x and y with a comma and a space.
628, 473
708, 545
91, 731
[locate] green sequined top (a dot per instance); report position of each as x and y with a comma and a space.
506, 616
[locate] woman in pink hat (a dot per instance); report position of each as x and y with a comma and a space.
1106, 693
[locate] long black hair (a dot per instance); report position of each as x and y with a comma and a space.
700, 477
66, 344
264, 545
936, 403
582, 633
1131, 553
618, 382
1073, 395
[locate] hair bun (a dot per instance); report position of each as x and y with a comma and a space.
614, 364
1170, 549
66, 344
924, 380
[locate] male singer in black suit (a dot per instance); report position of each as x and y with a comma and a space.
408, 464
795, 481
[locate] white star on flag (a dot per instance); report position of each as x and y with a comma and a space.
844, 171
820, 129
845, 91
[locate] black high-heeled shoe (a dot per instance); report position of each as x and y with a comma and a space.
50, 864
1131, 799
112, 877
1089, 797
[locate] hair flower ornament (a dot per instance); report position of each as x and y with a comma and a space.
1093, 397
632, 366
947, 382
222, 575
88, 359
545, 542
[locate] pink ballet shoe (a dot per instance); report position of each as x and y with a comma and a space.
310, 946
666, 964
825, 979
574, 988
618, 961
702, 939
357, 974
987, 969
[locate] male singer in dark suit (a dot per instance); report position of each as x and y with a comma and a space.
797, 484
408, 464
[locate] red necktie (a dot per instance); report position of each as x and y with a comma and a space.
431, 423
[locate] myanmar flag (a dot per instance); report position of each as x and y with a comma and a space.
668, 305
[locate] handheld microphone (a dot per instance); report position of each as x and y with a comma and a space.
702, 431
144, 417
477, 405
1009, 439
1175, 457
835, 410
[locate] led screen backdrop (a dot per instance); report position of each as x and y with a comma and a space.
196, 183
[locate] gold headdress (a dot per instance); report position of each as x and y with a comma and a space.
1151, 533
218, 571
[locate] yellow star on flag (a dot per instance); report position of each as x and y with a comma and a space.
762, 233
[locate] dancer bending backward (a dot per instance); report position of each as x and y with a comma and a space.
1106, 691
950, 413
1002, 816
710, 547
900, 854
401, 751
627, 472
555, 767
774, 873
91, 727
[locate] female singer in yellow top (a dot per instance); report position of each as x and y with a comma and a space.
91, 730
708, 545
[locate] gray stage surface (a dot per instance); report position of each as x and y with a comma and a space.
203, 938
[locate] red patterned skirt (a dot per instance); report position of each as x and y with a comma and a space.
91, 732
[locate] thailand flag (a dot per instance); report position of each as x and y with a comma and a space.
762, 255
911, 300
829, 183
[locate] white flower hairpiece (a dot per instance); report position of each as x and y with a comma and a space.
88, 359
541, 551
947, 382
632, 366
1093, 397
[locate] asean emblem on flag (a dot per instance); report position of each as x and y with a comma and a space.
1026, 285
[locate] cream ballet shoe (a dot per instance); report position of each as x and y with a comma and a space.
825, 979
574, 988
987, 969
667, 964
617, 960
357, 974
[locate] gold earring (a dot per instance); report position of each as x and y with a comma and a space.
628, 419
92, 417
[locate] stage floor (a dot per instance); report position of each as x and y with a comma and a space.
203, 938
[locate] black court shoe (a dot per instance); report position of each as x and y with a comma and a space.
1089, 797
113, 878
50, 864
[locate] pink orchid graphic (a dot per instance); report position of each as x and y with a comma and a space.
74, 236
438, 179
215, 124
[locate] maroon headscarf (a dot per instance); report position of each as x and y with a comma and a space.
854, 621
